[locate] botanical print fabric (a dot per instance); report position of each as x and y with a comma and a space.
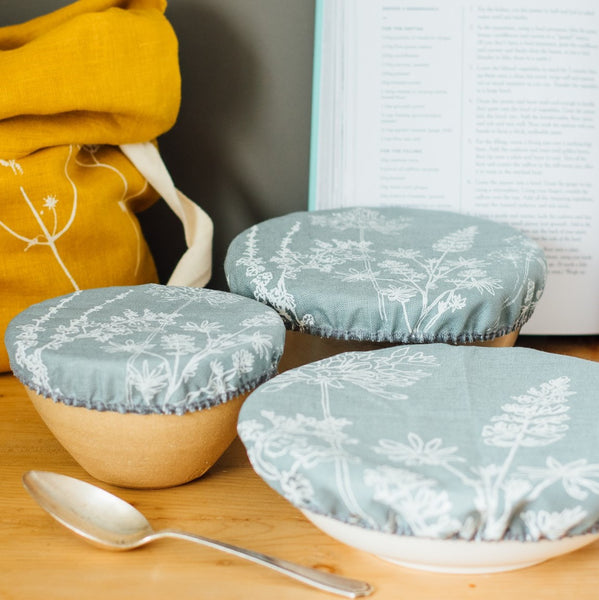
434, 441
145, 349
390, 274
44, 216
68, 222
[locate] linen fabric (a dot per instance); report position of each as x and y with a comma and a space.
93, 72
77, 83
434, 442
145, 349
390, 274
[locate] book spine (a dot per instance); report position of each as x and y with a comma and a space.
316, 89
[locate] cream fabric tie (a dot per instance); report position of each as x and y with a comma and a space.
194, 268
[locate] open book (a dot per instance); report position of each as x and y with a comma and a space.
483, 107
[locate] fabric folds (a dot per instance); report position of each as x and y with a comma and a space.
94, 72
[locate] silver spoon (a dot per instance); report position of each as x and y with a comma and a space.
109, 522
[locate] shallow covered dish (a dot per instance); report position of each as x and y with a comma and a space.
143, 384
390, 275
449, 458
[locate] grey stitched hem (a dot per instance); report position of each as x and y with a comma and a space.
402, 338
194, 406
509, 536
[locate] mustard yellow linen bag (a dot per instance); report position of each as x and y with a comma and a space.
77, 84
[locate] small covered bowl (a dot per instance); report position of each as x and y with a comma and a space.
437, 457
359, 278
143, 385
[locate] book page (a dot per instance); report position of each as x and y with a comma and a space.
487, 108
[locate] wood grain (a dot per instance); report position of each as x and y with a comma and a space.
40, 560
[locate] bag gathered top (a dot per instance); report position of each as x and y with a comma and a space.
89, 89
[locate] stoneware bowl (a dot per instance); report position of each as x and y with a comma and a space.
359, 278
143, 385
437, 457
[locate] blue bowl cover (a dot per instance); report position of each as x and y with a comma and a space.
390, 274
145, 349
435, 441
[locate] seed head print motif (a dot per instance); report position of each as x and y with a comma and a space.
55, 214
425, 283
416, 483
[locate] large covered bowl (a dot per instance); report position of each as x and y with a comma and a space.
439, 457
359, 278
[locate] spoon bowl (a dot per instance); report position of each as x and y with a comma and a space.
109, 522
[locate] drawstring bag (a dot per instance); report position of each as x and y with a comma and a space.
87, 90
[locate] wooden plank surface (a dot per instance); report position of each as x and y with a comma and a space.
39, 559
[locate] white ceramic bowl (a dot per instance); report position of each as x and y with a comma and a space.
449, 556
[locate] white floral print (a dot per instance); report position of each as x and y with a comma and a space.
171, 363
54, 224
325, 440
416, 288
323, 458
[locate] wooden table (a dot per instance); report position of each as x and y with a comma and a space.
39, 559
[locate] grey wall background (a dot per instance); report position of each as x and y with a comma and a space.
241, 144
240, 147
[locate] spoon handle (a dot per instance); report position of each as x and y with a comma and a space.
328, 582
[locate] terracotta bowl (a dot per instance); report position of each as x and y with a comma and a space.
141, 451
143, 385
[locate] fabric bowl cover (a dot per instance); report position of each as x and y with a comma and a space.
145, 349
435, 442
390, 274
